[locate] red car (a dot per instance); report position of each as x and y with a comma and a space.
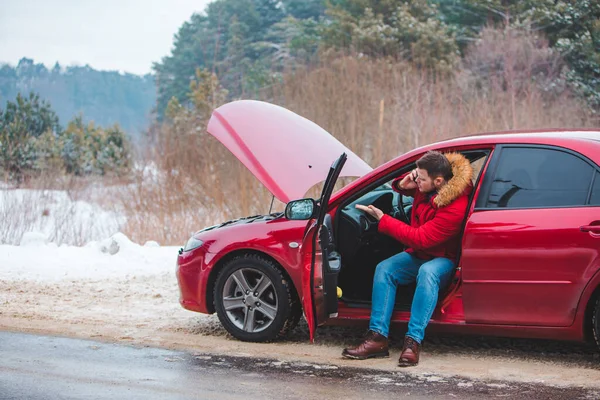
529, 262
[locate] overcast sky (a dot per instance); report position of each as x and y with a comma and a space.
124, 35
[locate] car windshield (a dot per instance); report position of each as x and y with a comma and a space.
315, 191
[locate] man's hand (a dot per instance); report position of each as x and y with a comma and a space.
409, 181
371, 210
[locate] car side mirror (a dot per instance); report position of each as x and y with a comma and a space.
303, 209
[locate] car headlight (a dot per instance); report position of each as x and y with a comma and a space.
192, 244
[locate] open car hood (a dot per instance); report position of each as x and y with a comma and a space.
286, 152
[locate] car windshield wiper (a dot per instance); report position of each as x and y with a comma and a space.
228, 223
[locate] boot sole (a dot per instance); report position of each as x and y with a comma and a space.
374, 355
407, 364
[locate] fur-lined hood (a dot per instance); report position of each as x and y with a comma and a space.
461, 180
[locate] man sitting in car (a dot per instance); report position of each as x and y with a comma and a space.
441, 185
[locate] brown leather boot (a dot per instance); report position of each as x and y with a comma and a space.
410, 353
374, 346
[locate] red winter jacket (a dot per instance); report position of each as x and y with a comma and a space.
436, 221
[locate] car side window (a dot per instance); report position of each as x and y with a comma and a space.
595, 199
477, 165
539, 177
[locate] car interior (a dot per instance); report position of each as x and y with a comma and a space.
361, 247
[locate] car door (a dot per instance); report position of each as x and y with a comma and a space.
321, 260
532, 238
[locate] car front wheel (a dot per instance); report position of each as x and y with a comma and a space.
254, 301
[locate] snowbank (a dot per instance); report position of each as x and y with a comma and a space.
115, 257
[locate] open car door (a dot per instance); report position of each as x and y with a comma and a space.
323, 263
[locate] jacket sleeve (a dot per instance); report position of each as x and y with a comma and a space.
405, 192
445, 225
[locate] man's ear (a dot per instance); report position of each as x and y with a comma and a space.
438, 181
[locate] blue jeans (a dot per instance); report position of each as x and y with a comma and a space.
403, 269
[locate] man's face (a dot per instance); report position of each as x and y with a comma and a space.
425, 183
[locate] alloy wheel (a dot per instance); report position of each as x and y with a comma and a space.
250, 300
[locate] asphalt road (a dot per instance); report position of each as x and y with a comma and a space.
42, 367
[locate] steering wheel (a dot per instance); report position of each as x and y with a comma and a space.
399, 211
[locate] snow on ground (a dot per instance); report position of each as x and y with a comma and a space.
112, 284
108, 284
116, 257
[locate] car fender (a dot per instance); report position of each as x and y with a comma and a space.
590, 288
286, 255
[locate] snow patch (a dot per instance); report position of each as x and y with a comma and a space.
325, 367
33, 239
115, 243
497, 385
114, 257
434, 378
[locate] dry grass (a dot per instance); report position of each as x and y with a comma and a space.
188, 184
381, 109
54, 213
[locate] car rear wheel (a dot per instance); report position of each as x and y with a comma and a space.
596, 322
254, 301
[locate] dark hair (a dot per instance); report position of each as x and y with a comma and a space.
436, 164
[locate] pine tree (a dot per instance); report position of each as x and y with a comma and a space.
21, 123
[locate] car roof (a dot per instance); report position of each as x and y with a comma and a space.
582, 141
540, 136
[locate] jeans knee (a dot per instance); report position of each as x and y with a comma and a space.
428, 273
384, 271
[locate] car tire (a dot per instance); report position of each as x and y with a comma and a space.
596, 322
254, 301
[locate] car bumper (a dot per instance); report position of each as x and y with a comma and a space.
192, 278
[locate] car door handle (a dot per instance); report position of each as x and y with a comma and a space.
590, 228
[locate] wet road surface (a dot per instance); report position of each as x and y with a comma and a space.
42, 367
